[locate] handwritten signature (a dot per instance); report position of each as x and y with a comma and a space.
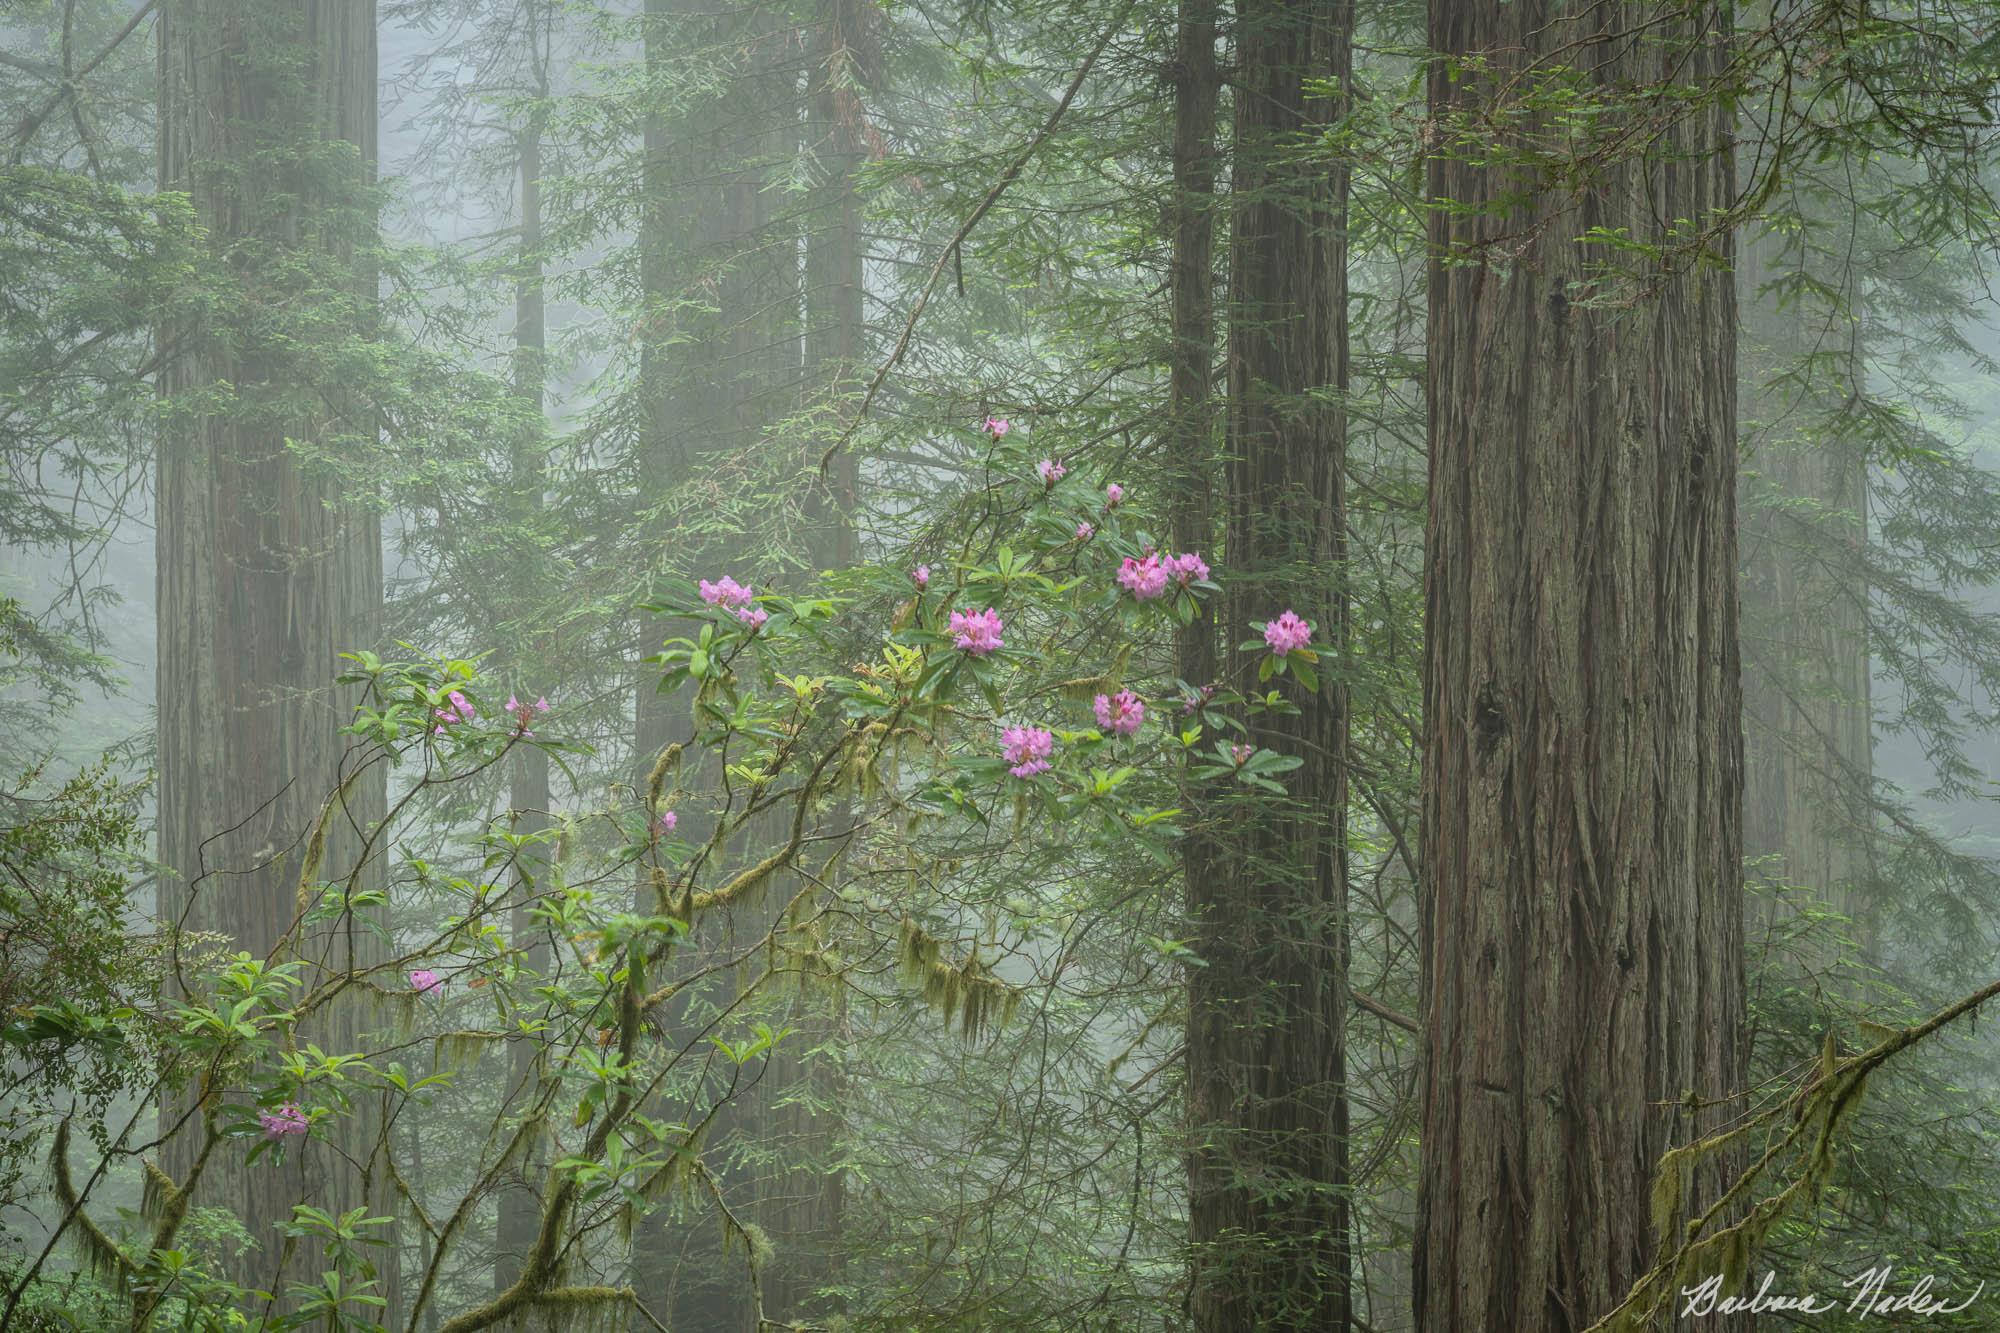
1871, 1297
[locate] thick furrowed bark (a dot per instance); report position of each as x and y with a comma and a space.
1581, 899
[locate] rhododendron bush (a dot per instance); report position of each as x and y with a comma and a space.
822, 802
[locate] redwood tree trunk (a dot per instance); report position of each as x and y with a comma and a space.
800, 1199
1581, 886
1268, 1205
267, 570
719, 332
519, 1206
1192, 454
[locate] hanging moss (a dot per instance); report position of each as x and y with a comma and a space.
462, 1048
101, 1254
1085, 688
668, 762
159, 1192
968, 992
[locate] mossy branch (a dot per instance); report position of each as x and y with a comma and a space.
105, 1258
315, 856
1819, 1108
523, 1133
540, 1269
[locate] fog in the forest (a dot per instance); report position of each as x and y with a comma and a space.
825, 665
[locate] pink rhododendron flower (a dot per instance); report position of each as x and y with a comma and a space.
1144, 579
1114, 495
1084, 532
523, 714
753, 616
978, 633
424, 981
1287, 634
1051, 471
1188, 568
666, 823
1027, 749
1119, 714
459, 709
921, 576
1241, 753
996, 426
728, 592
284, 1121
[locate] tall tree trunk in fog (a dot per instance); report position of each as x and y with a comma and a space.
801, 1201
752, 259
1192, 453
665, 222
266, 570
519, 1207
1191, 354
720, 287
1809, 752
1269, 1209
1580, 884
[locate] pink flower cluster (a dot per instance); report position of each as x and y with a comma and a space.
727, 592
1114, 495
1027, 749
921, 576
978, 632
460, 710
733, 596
1147, 578
1051, 471
995, 426
1121, 713
424, 981
1287, 634
1084, 532
283, 1122
1144, 579
1241, 754
666, 823
525, 713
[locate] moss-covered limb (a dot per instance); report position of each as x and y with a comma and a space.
523, 1133
683, 1163
103, 1254
756, 1245
578, 1299
409, 1197
656, 780
1819, 1108
172, 1201
158, 1190
752, 878
315, 856
540, 1267
768, 942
